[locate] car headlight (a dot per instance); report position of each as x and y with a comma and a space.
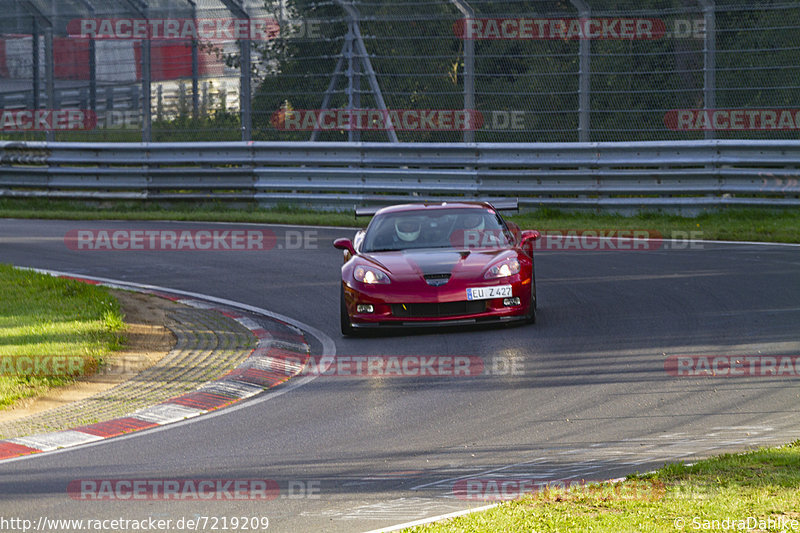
369, 275
506, 268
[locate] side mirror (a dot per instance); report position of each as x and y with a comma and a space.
344, 244
529, 235
526, 241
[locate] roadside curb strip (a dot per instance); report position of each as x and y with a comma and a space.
278, 356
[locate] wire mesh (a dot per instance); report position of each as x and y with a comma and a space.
413, 71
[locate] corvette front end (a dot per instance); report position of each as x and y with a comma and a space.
411, 267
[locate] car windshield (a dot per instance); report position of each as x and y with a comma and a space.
460, 229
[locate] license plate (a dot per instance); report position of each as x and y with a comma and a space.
485, 293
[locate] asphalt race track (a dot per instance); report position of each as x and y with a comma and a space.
590, 397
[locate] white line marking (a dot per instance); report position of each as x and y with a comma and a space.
197, 304
55, 440
433, 519
166, 413
481, 473
229, 387
290, 346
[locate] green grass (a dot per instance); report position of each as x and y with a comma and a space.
766, 225
42, 316
211, 212
760, 485
770, 225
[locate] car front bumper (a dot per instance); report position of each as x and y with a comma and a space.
383, 315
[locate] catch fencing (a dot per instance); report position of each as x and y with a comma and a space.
522, 71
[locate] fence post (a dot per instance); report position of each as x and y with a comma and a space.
584, 75
92, 62
48, 58
146, 95
50, 72
361, 49
195, 67
160, 102
143, 10
353, 92
244, 74
709, 59
469, 65
35, 64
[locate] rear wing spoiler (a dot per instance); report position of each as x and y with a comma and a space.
506, 205
510, 204
366, 211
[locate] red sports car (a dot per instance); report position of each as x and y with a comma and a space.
437, 264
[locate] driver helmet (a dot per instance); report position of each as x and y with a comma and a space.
474, 222
408, 229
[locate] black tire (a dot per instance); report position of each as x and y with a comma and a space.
531, 316
344, 318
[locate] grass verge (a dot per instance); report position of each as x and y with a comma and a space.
754, 491
52, 331
755, 224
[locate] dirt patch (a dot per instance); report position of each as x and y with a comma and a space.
148, 341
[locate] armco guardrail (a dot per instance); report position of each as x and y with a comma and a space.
325, 175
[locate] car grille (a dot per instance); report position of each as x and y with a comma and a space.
443, 309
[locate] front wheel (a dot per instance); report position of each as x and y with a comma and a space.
344, 317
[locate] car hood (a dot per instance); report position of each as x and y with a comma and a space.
414, 264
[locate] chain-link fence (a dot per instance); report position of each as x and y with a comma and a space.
410, 71
87, 69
